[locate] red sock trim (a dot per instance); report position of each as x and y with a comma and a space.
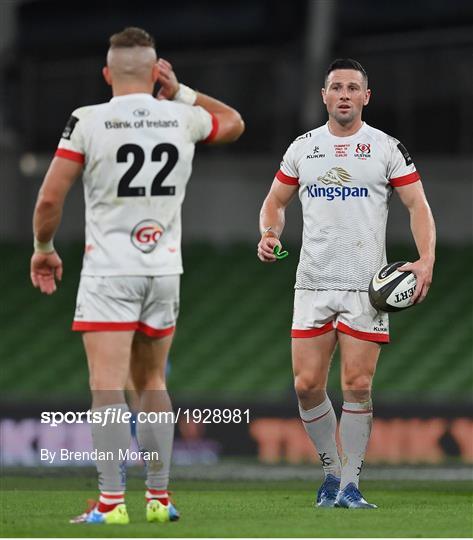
102, 507
107, 507
364, 411
315, 419
160, 494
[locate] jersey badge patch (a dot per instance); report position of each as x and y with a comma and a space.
71, 124
363, 151
404, 153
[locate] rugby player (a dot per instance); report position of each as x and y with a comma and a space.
344, 172
135, 155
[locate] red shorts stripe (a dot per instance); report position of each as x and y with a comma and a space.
404, 180
312, 332
285, 179
213, 131
155, 332
70, 154
315, 419
365, 336
83, 326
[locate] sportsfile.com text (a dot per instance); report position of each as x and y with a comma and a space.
118, 416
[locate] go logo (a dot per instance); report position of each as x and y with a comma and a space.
146, 234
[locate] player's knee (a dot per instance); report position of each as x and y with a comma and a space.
149, 381
100, 382
307, 385
358, 382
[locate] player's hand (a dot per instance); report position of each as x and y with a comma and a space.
266, 247
167, 79
46, 268
422, 269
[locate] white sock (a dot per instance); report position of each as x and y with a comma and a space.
320, 424
355, 429
112, 437
157, 437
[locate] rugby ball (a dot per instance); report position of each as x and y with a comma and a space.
392, 290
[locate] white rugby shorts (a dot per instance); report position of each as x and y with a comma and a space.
149, 304
350, 312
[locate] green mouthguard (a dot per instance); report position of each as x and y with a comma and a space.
280, 254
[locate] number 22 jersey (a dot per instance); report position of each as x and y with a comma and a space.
137, 153
345, 184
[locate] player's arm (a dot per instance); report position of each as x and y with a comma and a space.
272, 218
423, 231
46, 266
229, 123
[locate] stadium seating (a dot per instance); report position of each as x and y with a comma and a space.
233, 332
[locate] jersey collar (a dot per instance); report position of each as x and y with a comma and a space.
349, 137
131, 96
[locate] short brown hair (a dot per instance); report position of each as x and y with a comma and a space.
346, 63
131, 37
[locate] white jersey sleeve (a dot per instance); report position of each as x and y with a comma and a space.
288, 173
202, 125
401, 169
72, 145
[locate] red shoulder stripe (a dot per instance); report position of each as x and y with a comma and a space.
404, 180
213, 131
285, 179
70, 154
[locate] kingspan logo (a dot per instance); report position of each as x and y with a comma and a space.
335, 181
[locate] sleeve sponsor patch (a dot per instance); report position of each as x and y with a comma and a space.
71, 124
405, 154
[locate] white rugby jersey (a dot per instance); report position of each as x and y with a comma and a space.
345, 187
137, 153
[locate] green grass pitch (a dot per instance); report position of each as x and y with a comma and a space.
40, 507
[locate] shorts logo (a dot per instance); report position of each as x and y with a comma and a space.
380, 327
338, 177
146, 234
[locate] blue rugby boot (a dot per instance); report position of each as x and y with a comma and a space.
350, 497
328, 492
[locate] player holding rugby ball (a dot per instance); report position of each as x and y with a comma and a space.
344, 173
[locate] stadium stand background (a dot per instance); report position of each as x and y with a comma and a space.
266, 59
